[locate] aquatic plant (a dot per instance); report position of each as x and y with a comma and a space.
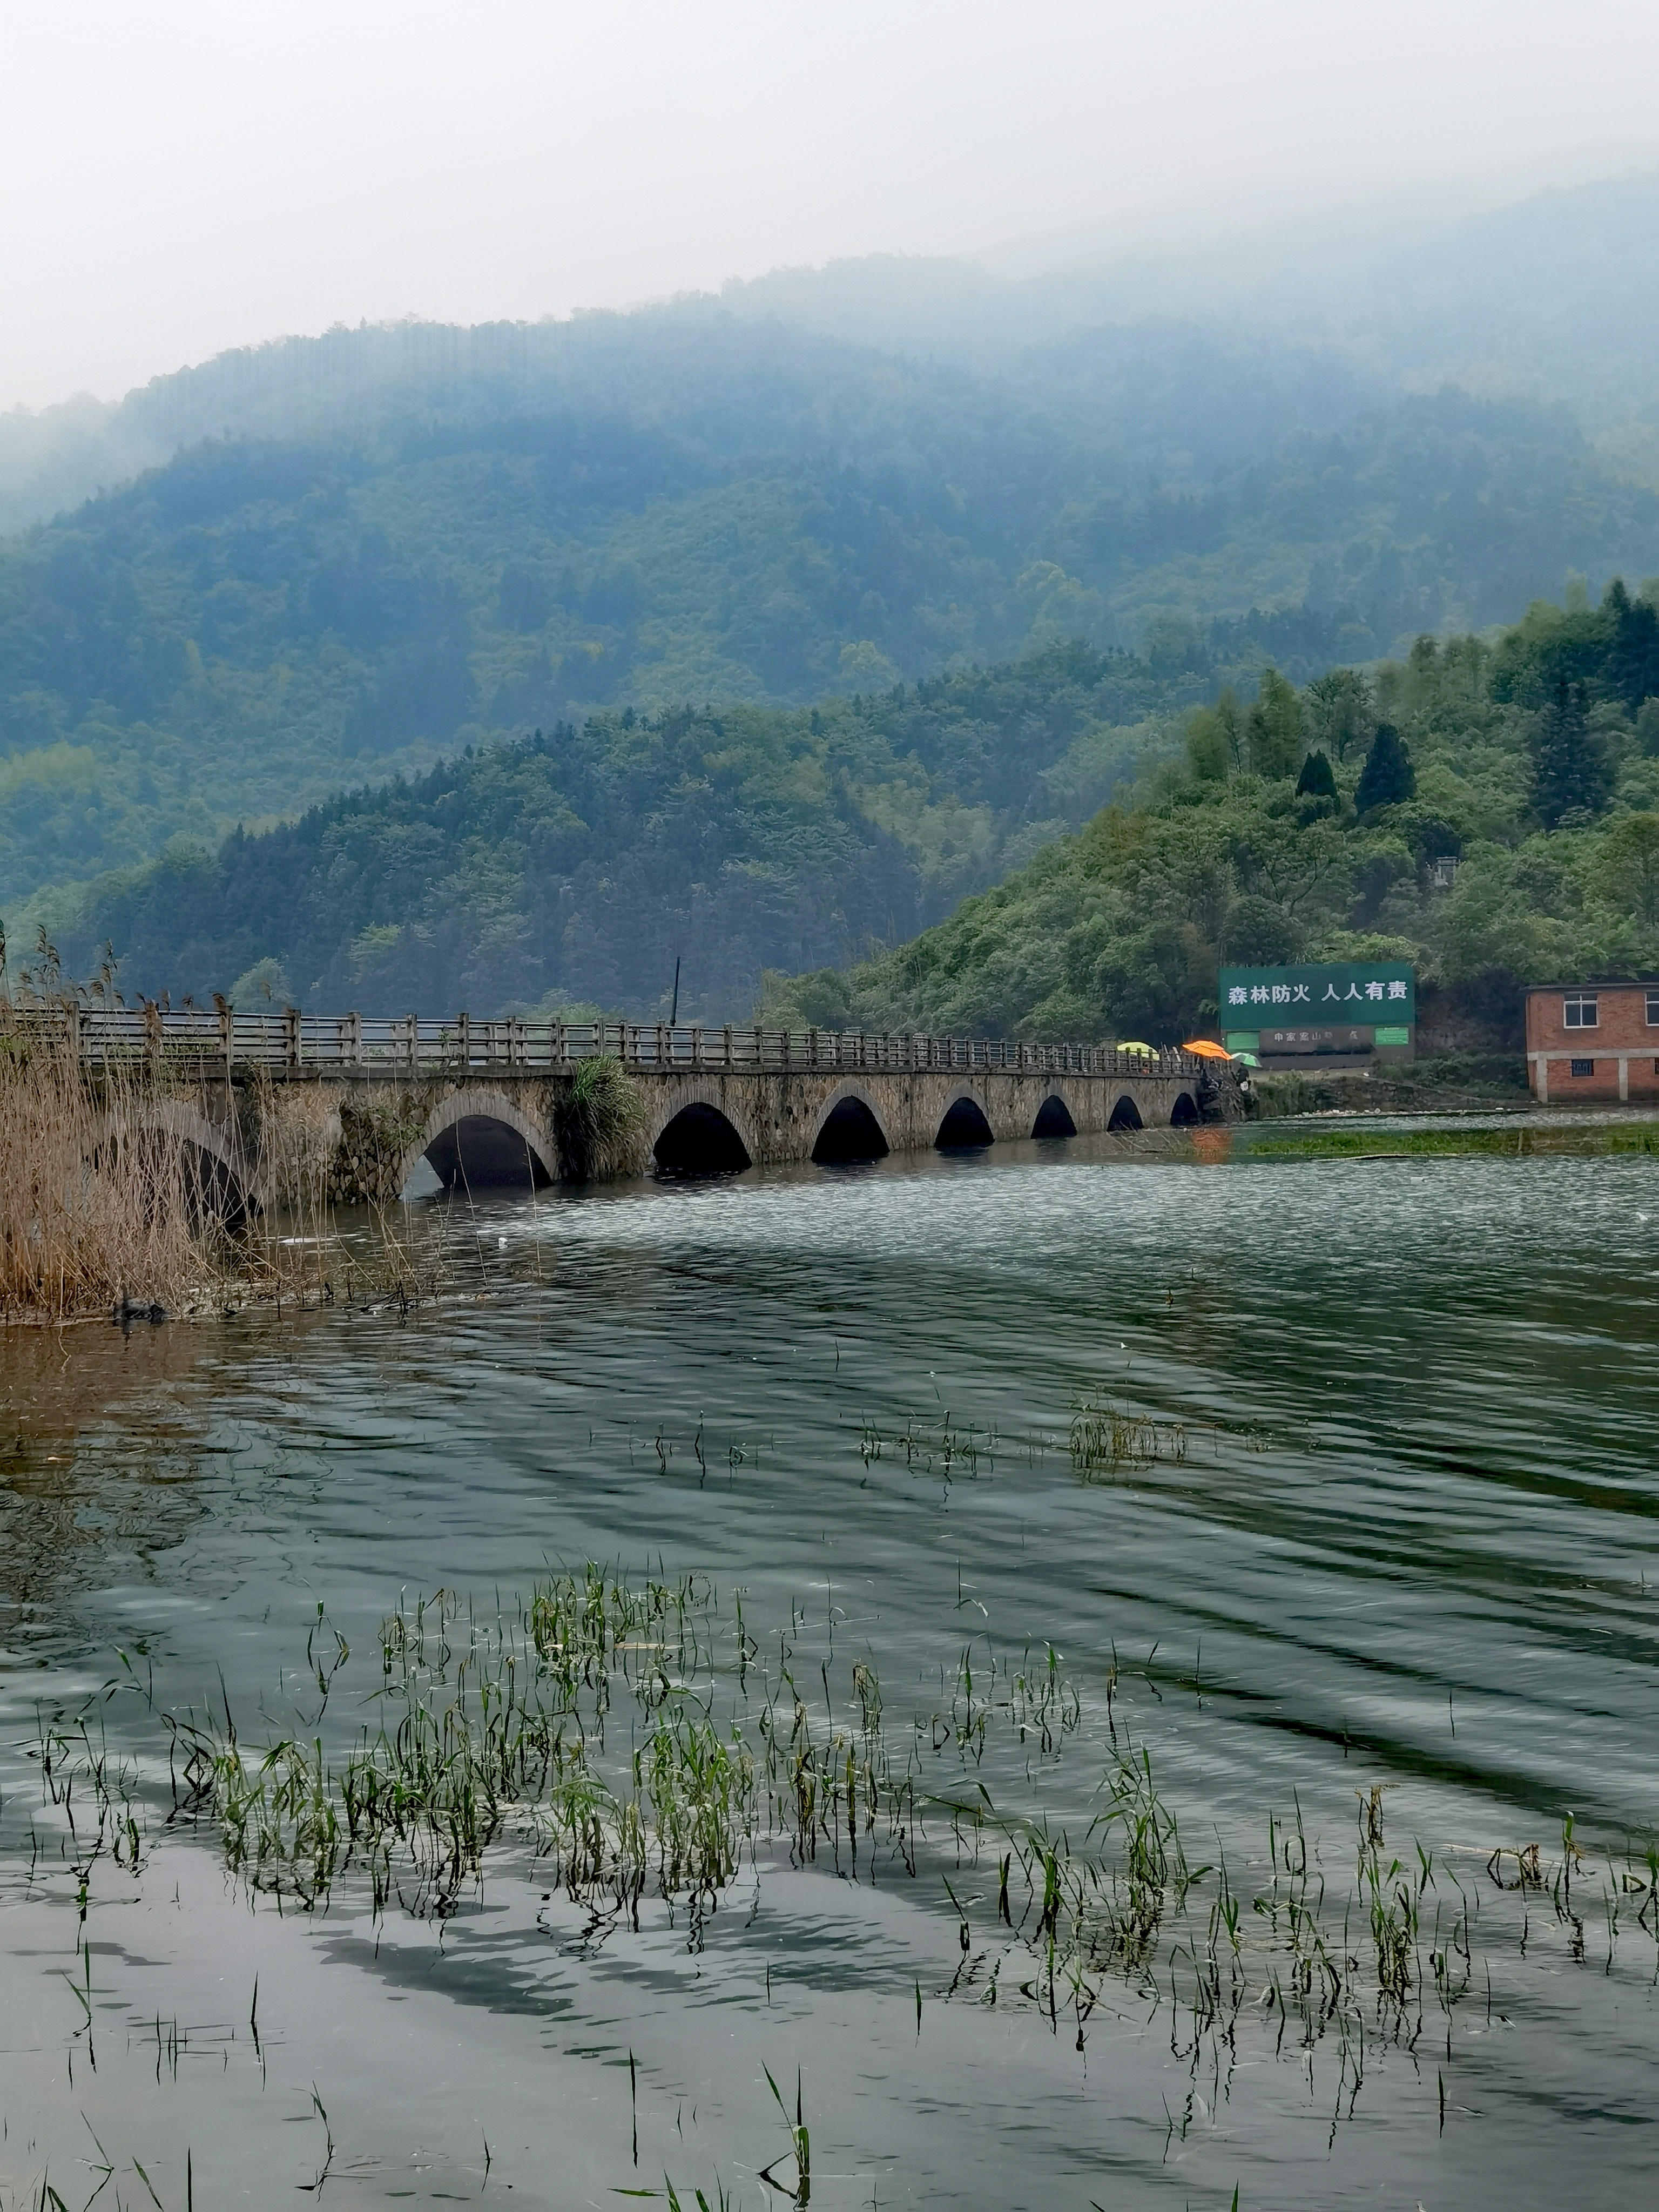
599, 1122
632, 1739
1105, 1437
946, 1448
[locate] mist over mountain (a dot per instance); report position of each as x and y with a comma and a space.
1553, 295
1550, 295
327, 560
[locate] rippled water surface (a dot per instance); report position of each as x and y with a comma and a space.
1394, 1525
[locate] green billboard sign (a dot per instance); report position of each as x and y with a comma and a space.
1326, 1004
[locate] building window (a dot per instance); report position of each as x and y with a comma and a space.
1653, 1009
1584, 1068
1578, 1012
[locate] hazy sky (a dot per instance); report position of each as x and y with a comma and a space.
182, 175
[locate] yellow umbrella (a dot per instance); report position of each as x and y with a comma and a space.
1129, 1044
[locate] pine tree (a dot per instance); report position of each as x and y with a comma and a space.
1317, 780
1388, 777
1630, 669
1572, 769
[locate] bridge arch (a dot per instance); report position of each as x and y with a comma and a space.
1054, 1118
699, 1137
849, 1128
966, 1126
1126, 1115
223, 1183
1184, 1112
478, 1138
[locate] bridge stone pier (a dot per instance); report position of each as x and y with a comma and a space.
285, 1105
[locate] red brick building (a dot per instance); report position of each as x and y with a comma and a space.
1593, 1043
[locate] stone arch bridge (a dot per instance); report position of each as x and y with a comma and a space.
281, 1104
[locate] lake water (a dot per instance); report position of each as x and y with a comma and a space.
1382, 1510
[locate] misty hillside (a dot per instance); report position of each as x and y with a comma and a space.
1550, 295
358, 553
1553, 295
742, 515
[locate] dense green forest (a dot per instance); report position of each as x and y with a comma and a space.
1306, 824
754, 843
576, 865
410, 541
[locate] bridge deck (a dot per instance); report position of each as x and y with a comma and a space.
289, 1044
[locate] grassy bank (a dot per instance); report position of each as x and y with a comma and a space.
1523, 1142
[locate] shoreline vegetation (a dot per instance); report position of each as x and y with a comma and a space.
97, 1210
1447, 1083
111, 1208
1526, 1141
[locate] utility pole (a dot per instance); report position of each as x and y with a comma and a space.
674, 1010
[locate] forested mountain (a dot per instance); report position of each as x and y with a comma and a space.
1307, 825
379, 547
682, 508
361, 555
576, 866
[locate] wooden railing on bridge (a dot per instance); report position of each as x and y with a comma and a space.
199, 1040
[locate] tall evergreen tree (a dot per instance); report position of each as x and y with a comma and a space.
1631, 669
1388, 776
1317, 780
1571, 768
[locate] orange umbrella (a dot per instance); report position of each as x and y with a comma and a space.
1207, 1050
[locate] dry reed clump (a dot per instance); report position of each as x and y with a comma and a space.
103, 1208
1104, 1438
600, 1122
115, 1200
299, 1141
